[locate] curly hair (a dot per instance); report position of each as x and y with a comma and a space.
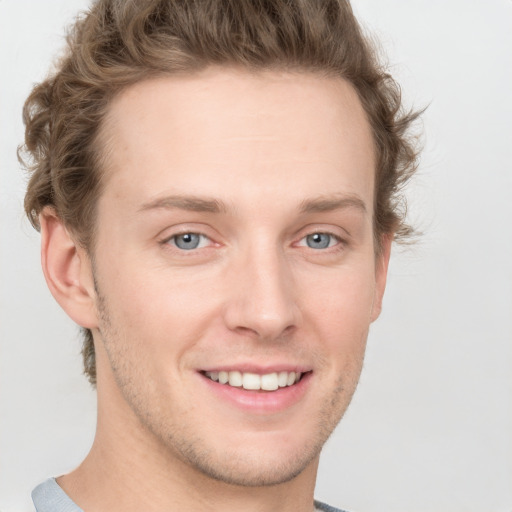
118, 43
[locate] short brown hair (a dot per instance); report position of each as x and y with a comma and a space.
119, 42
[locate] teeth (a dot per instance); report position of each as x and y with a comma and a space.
250, 381
235, 379
269, 382
253, 381
282, 379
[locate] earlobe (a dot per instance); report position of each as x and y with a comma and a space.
67, 270
381, 273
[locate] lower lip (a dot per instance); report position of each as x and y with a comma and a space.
262, 402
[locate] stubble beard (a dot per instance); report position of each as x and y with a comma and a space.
233, 467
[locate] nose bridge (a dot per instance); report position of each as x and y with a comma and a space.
263, 301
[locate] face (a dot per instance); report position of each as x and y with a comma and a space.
235, 269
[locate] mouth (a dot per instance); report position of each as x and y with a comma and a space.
258, 391
271, 381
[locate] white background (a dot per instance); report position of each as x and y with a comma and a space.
430, 428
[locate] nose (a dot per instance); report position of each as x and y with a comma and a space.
262, 301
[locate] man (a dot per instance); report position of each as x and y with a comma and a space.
216, 187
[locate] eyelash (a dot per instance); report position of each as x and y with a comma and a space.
338, 245
303, 242
172, 240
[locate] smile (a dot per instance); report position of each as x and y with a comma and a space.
253, 381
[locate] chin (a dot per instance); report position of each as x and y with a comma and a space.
240, 468
267, 458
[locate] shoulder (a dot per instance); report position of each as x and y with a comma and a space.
49, 497
322, 507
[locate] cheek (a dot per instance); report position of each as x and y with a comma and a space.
341, 309
160, 309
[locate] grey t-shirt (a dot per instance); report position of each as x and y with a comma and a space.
49, 497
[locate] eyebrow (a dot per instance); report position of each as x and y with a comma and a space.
210, 205
330, 203
190, 203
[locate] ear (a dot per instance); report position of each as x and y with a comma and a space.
67, 270
381, 273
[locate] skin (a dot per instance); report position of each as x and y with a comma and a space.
256, 164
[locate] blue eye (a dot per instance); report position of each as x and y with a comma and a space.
188, 241
320, 240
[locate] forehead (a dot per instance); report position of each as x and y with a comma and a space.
226, 132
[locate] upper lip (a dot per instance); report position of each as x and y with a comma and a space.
258, 369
